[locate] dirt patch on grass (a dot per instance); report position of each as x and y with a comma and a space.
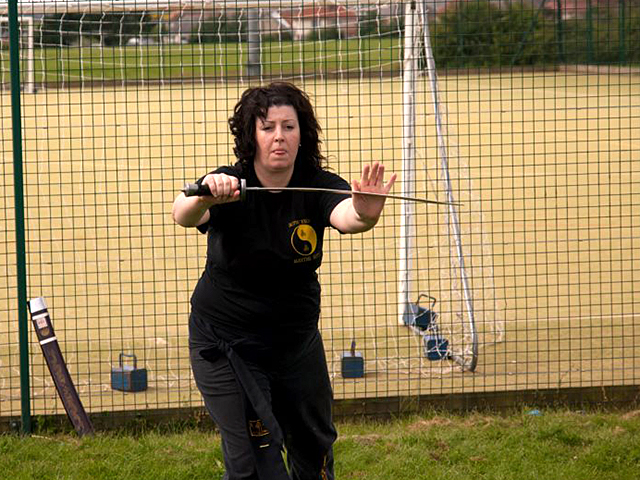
427, 424
631, 414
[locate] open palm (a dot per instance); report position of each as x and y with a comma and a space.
372, 180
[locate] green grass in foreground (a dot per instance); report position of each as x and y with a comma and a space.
555, 445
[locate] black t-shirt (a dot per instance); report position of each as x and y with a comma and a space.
262, 256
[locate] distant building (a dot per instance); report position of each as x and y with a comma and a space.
180, 25
305, 21
572, 9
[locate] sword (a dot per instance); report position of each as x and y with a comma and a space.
200, 190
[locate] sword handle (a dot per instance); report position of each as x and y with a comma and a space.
195, 190
202, 189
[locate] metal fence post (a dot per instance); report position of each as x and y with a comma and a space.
622, 40
253, 42
14, 52
590, 54
560, 30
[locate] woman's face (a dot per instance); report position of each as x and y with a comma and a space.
277, 141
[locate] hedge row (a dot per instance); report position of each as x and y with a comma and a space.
484, 34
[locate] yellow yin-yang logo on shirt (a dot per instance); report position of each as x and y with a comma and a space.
304, 240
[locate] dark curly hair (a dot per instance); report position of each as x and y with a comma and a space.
255, 102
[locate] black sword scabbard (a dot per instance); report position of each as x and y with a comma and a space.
58, 368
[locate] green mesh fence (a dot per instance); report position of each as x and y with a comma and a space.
526, 113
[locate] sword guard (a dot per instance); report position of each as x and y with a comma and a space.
242, 185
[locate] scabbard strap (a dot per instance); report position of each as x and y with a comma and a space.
268, 454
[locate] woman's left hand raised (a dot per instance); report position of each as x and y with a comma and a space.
368, 207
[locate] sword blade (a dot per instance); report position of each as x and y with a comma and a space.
193, 189
347, 192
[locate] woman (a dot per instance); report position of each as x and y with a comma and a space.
256, 352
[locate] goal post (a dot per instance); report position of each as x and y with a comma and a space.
407, 234
26, 40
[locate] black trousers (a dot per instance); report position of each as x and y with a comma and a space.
294, 380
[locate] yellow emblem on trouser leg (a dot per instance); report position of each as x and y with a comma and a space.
257, 429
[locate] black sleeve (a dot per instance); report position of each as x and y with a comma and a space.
233, 171
329, 201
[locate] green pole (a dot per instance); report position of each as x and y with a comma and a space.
560, 30
23, 321
622, 45
590, 55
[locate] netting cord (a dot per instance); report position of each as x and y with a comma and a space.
453, 214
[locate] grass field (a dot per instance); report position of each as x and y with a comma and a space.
526, 445
170, 63
547, 166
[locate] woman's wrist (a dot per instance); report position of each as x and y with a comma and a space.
367, 222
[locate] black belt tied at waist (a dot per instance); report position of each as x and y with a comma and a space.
266, 437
